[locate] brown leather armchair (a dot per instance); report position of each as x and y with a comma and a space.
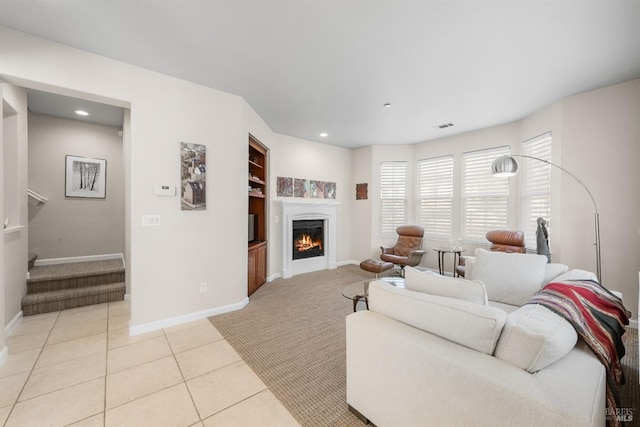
501, 241
407, 250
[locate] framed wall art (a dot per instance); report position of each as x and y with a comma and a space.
362, 191
85, 177
193, 162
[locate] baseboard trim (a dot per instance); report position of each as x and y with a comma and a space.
54, 261
178, 320
274, 277
12, 324
633, 323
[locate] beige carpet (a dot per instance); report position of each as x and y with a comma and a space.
292, 334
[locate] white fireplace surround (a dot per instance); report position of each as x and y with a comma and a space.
322, 210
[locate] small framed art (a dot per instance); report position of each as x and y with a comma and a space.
85, 177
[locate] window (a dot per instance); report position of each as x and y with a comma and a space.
536, 187
485, 199
435, 196
393, 193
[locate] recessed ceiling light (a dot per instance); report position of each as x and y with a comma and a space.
387, 105
324, 135
81, 113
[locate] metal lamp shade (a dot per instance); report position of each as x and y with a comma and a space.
504, 166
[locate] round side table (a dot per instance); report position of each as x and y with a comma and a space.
456, 257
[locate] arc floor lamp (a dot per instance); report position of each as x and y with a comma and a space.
505, 166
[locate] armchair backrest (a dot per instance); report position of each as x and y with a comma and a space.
409, 239
506, 241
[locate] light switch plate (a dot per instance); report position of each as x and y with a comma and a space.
150, 220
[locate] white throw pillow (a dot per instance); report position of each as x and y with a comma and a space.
553, 270
534, 337
433, 283
576, 274
509, 278
472, 325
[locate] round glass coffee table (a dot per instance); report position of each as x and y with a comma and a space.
359, 291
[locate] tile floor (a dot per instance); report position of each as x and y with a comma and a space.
80, 367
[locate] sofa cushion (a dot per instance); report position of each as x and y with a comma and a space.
553, 270
509, 278
472, 325
534, 337
433, 283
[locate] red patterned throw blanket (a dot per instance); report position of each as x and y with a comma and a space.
599, 318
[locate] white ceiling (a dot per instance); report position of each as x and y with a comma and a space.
64, 106
308, 67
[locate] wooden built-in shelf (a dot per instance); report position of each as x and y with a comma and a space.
258, 202
257, 180
255, 164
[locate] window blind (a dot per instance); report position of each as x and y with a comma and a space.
485, 199
435, 196
393, 187
536, 187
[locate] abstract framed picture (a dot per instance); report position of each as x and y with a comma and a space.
301, 188
284, 187
316, 189
85, 177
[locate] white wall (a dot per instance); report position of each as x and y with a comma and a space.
596, 137
70, 227
298, 158
362, 172
166, 263
4, 350
601, 145
14, 202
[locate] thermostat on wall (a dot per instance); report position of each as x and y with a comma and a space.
166, 190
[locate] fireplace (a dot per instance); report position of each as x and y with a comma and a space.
317, 251
308, 238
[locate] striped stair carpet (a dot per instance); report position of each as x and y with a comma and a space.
63, 286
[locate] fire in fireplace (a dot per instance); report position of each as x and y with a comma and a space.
308, 238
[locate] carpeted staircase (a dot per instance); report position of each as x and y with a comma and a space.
62, 286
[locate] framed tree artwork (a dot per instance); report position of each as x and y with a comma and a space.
85, 177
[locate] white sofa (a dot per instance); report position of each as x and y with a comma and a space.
457, 352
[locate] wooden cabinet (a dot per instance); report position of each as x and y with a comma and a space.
257, 254
257, 271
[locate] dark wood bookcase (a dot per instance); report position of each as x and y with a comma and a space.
257, 271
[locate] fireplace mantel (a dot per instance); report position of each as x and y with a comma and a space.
325, 210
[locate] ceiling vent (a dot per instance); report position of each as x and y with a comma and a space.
446, 125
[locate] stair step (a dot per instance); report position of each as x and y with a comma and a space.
47, 278
50, 301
